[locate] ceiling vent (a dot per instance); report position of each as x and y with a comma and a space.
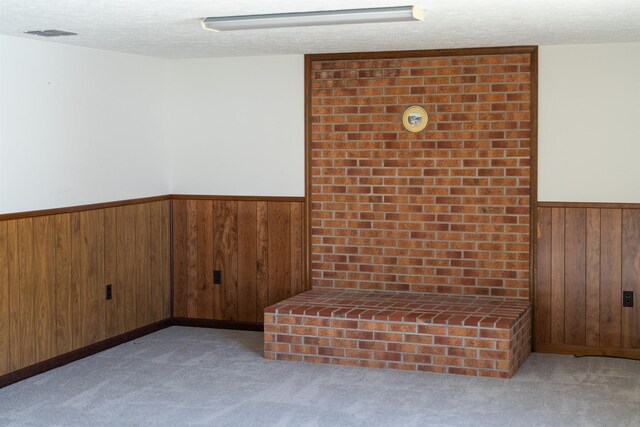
50, 33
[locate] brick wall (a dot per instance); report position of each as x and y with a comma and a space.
445, 210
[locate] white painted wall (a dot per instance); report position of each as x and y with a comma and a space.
238, 126
589, 115
79, 125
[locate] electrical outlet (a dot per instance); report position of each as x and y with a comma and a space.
217, 277
108, 292
627, 298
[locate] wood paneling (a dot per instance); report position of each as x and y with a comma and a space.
247, 256
125, 296
26, 290
4, 301
156, 264
192, 258
88, 248
257, 245
587, 255
165, 257
557, 276
575, 274
279, 223
53, 273
592, 277
15, 345
542, 308
54, 269
114, 308
225, 297
179, 240
262, 265
44, 275
610, 277
631, 276
64, 319
205, 259
143, 266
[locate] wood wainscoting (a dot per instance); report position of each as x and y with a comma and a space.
54, 266
588, 254
256, 243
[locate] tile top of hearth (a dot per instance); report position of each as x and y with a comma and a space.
403, 307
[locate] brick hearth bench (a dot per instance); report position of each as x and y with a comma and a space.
427, 332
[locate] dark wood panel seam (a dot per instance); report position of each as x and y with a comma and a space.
423, 53
533, 184
171, 267
307, 170
594, 205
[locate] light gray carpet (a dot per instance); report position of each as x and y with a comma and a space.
191, 376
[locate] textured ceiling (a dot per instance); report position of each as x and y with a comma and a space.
171, 28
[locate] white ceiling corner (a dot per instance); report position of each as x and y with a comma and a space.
171, 29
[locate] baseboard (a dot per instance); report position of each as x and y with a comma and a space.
72, 356
81, 353
588, 351
219, 324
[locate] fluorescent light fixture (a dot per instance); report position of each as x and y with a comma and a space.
310, 19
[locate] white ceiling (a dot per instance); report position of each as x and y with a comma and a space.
171, 28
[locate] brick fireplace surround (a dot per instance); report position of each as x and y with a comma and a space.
419, 242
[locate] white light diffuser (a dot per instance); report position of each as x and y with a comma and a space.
310, 19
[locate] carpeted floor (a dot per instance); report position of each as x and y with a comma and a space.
191, 376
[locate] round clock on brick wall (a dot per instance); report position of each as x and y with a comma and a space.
415, 118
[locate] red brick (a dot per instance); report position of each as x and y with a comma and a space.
418, 338
495, 333
384, 336
462, 371
479, 363
372, 326
402, 348
343, 343
462, 332
387, 355
432, 330
316, 321
431, 349
498, 75
432, 368
446, 210
416, 358
273, 347
480, 343
372, 345
316, 359
462, 352
450, 341
330, 332
289, 357
446, 360
402, 327
304, 330
359, 354
330, 351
